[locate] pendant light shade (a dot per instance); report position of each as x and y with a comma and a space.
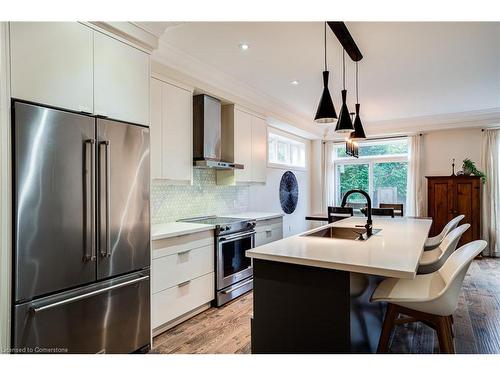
359, 132
344, 124
326, 111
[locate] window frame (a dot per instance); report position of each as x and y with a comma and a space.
371, 160
288, 139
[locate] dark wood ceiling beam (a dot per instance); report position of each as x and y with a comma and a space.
344, 36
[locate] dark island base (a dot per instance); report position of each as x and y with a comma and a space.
302, 309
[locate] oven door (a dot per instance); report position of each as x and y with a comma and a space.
232, 264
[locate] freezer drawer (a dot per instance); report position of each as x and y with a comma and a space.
107, 317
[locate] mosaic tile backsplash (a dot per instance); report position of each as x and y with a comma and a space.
204, 197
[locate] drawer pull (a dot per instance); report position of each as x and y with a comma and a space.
269, 231
184, 284
183, 252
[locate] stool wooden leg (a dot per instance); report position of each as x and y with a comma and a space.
444, 335
385, 335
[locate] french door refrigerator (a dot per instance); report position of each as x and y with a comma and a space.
81, 251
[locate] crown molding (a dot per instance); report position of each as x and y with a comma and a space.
130, 32
207, 79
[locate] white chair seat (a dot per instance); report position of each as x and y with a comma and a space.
359, 282
432, 242
431, 256
435, 293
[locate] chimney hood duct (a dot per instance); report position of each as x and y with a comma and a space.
207, 134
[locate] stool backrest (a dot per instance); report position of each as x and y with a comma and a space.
452, 224
450, 242
452, 273
382, 212
398, 208
341, 211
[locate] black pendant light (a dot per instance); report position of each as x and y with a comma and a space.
326, 111
344, 124
359, 132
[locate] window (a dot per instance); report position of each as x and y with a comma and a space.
286, 151
381, 170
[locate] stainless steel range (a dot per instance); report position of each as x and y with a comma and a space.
233, 272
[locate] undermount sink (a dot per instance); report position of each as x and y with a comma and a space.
343, 233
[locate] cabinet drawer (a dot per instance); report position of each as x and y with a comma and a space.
269, 224
174, 245
178, 300
264, 237
171, 270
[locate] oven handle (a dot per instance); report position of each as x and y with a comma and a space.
236, 236
237, 287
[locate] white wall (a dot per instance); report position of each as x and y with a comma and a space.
266, 197
440, 147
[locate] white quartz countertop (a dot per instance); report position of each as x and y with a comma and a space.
394, 251
173, 229
257, 215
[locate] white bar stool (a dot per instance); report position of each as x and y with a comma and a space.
430, 298
433, 242
432, 260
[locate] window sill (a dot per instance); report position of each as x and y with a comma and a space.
286, 166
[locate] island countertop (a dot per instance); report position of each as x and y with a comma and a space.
393, 252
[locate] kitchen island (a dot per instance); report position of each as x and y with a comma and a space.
311, 293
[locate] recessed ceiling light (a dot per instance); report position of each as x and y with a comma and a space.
294, 82
244, 46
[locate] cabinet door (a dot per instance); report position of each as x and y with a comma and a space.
121, 80
467, 203
440, 205
243, 145
155, 129
177, 138
259, 149
52, 63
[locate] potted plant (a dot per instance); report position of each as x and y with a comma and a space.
469, 168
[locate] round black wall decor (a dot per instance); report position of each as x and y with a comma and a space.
289, 192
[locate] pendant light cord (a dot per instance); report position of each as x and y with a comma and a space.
325, 48
357, 98
343, 67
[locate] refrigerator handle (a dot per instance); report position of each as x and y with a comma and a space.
36, 309
90, 203
107, 251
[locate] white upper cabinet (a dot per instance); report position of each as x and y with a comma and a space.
52, 63
72, 66
171, 133
155, 129
243, 145
244, 142
121, 80
259, 149
177, 105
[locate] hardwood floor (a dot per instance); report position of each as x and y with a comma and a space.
476, 327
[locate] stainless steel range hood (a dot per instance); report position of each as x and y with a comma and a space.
207, 134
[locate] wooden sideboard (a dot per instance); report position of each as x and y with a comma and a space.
450, 196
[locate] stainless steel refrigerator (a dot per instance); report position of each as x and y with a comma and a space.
81, 251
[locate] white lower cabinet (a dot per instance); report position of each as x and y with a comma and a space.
182, 278
267, 231
171, 303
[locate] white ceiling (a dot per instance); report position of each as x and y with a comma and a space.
409, 70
